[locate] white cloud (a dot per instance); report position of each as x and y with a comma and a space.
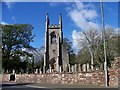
83, 16
77, 37
4, 23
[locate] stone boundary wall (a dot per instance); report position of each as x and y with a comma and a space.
5, 77
96, 78
114, 72
81, 78
87, 78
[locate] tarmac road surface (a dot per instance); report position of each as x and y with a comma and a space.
31, 86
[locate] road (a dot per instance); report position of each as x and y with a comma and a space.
30, 86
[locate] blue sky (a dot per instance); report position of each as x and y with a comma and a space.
76, 17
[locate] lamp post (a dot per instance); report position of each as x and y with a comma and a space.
103, 30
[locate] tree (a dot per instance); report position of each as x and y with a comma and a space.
68, 44
88, 40
111, 48
83, 56
14, 38
92, 43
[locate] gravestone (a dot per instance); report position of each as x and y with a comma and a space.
40, 71
75, 68
13, 72
88, 67
36, 71
50, 69
84, 67
79, 67
72, 68
69, 68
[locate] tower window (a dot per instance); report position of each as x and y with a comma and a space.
53, 38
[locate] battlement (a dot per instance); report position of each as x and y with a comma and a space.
54, 26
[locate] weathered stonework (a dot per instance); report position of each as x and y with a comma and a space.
114, 72
86, 78
55, 55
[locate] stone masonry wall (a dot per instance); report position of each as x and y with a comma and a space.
114, 73
82, 78
5, 77
96, 78
90, 78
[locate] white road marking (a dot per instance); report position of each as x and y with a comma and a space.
34, 86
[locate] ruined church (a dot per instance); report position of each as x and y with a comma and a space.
56, 57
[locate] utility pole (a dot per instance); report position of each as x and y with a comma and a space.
103, 30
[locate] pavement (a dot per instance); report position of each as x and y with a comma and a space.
46, 86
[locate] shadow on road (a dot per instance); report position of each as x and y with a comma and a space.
19, 84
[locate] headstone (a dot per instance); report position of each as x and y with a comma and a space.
88, 67
84, 67
92, 68
36, 71
13, 72
79, 67
69, 67
75, 68
40, 71
7, 71
20, 72
50, 69
72, 68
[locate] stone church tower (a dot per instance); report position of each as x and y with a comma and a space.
55, 55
